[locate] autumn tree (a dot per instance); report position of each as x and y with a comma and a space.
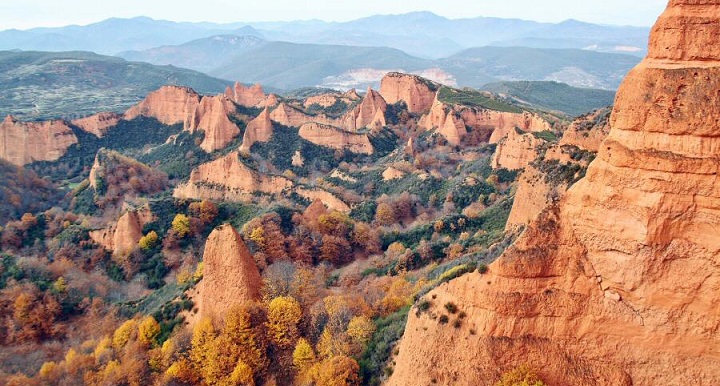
204, 210
149, 241
181, 225
124, 334
520, 376
335, 250
303, 355
284, 314
338, 371
148, 331
360, 329
385, 214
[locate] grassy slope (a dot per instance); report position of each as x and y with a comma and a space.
41, 85
572, 101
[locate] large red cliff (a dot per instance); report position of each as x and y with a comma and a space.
619, 283
418, 93
22, 143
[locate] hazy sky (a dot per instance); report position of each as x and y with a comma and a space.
36, 13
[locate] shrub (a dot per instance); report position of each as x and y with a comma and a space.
451, 307
457, 323
443, 319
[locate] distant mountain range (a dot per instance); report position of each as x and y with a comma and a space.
288, 65
422, 34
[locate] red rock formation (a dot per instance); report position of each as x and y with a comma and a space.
259, 129
230, 275
227, 178
502, 122
588, 132
335, 138
516, 150
211, 116
271, 101
417, 92
327, 198
97, 124
618, 284
289, 116
369, 113
123, 236
453, 129
173, 104
169, 105
22, 143
250, 96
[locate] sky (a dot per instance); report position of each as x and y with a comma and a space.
24, 14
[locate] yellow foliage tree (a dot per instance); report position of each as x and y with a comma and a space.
242, 375
520, 376
284, 314
202, 343
123, 334
303, 355
181, 225
398, 295
330, 345
338, 371
149, 241
148, 331
360, 329
258, 236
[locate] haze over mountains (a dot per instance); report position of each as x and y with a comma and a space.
287, 55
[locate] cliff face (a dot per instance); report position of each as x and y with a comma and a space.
516, 151
417, 92
97, 124
173, 104
229, 179
335, 138
22, 143
230, 275
369, 113
619, 283
259, 129
169, 105
588, 132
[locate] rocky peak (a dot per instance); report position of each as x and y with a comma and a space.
417, 92
259, 129
516, 150
230, 275
249, 96
211, 116
369, 113
618, 282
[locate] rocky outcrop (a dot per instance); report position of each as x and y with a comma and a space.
369, 113
453, 129
587, 132
418, 93
22, 143
248, 96
327, 198
211, 116
230, 275
534, 193
122, 237
287, 115
227, 178
169, 105
173, 104
516, 150
334, 138
392, 174
330, 99
97, 124
259, 129
271, 101
502, 122
619, 283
